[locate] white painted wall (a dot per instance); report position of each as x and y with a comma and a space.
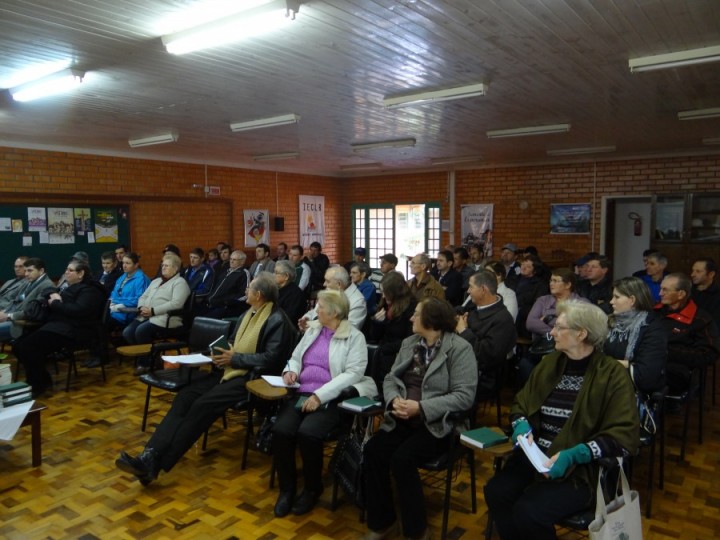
628, 248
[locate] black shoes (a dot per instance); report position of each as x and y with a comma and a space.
284, 503
305, 502
145, 467
94, 362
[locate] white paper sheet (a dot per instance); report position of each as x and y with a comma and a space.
188, 359
274, 380
11, 418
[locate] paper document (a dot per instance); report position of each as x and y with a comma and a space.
534, 454
188, 359
11, 418
274, 380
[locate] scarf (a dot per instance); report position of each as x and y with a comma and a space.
626, 327
246, 339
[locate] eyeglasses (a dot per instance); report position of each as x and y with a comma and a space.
556, 280
559, 327
235, 260
70, 270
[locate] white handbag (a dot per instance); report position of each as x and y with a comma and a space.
620, 519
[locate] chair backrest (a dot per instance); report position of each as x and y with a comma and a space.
204, 331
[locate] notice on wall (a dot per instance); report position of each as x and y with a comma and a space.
60, 226
36, 219
256, 227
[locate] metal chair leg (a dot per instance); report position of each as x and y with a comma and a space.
147, 407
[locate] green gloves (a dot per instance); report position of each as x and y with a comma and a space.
577, 455
520, 427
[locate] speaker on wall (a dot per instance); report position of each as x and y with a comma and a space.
279, 223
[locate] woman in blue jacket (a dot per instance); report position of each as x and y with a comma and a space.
128, 289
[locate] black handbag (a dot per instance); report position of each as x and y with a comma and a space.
37, 311
263, 438
347, 462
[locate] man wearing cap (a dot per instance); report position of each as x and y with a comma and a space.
512, 268
359, 258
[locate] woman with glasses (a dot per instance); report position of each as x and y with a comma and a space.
73, 318
127, 291
578, 406
291, 298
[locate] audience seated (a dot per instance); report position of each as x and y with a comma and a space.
460, 264
165, 294
488, 327
422, 284
359, 273
38, 285
213, 259
449, 279
11, 288
318, 263
692, 335
282, 252
359, 254
169, 248
637, 338
290, 299
227, 297
74, 314
263, 262
597, 285
337, 279
331, 356
654, 273
705, 292
388, 263
302, 270
640, 273
199, 275
512, 266
578, 407
78, 256
120, 252
507, 294
263, 340
435, 373
476, 257
528, 288
127, 291
225, 250
111, 271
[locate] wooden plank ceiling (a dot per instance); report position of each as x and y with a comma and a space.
545, 61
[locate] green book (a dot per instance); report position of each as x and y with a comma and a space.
483, 437
359, 404
219, 343
14, 388
299, 403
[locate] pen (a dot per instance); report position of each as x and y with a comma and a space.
524, 435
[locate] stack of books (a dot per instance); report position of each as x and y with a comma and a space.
15, 393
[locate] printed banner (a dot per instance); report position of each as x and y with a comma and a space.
312, 220
256, 227
106, 225
476, 228
83, 223
36, 219
570, 218
61, 227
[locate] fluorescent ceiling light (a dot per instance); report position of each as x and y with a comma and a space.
53, 84
576, 151
711, 140
533, 130
699, 114
675, 59
283, 155
249, 23
360, 167
265, 122
460, 92
397, 143
160, 138
455, 160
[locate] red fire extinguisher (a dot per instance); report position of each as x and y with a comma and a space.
637, 225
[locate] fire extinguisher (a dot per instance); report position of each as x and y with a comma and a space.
637, 225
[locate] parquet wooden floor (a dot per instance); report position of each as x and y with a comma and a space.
78, 492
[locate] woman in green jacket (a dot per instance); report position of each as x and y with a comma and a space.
578, 406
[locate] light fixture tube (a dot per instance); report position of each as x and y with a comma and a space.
53, 84
160, 138
360, 167
282, 155
397, 143
459, 92
455, 160
249, 23
578, 151
711, 140
699, 114
265, 122
533, 130
675, 59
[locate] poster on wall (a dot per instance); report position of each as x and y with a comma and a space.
476, 227
312, 220
83, 223
60, 226
106, 225
36, 219
256, 227
570, 218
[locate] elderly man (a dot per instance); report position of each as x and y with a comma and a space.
38, 285
597, 285
227, 297
12, 287
263, 262
263, 340
337, 278
422, 283
290, 299
693, 339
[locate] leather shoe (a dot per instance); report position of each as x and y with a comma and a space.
284, 503
305, 502
145, 467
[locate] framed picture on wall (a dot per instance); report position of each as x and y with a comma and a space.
571, 218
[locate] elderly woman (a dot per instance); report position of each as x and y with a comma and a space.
434, 373
165, 294
637, 336
127, 291
331, 356
292, 299
263, 340
74, 315
359, 275
578, 407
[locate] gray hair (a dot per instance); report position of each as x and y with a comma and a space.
172, 259
336, 303
340, 275
264, 284
585, 316
287, 268
240, 253
424, 259
661, 259
486, 278
363, 268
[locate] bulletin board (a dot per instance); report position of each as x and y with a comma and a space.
56, 231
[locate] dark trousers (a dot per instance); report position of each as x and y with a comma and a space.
193, 411
308, 431
525, 505
400, 452
138, 332
32, 351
